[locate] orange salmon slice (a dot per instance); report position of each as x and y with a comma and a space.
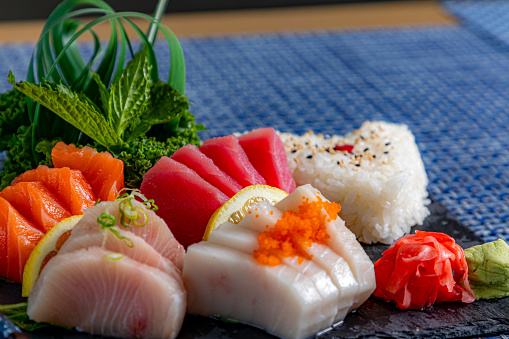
18, 237
35, 201
70, 186
104, 173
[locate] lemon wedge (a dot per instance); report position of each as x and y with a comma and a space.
236, 208
43, 251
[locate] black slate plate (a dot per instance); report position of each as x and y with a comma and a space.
374, 319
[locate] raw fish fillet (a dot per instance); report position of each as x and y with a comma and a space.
193, 158
18, 237
290, 300
104, 173
186, 201
121, 298
140, 250
155, 232
231, 158
267, 153
36, 202
70, 186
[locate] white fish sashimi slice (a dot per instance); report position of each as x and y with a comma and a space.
140, 251
342, 241
156, 233
224, 281
341, 275
330, 295
243, 236
294, 299
83, 289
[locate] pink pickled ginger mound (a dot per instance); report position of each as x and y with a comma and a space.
421, 269
267, 153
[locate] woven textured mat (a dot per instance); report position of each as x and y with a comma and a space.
487, 18
447, 83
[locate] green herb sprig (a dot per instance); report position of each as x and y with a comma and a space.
96, 101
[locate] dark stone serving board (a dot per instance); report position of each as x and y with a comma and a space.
374, 319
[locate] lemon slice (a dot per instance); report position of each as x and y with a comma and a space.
44, 250
236, 208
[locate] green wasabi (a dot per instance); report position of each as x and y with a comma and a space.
488, 269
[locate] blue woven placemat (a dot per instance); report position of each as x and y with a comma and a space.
487, 18
447, 83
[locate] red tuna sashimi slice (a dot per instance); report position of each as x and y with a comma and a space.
70, 185
267, 153
231, 158
18, 237
193, 158
104, 173
36, 202
120, 298
155, 233
186, 201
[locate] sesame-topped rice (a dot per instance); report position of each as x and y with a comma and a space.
376, 173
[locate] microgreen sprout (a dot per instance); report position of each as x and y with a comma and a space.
108, 222
133, 214
113, 256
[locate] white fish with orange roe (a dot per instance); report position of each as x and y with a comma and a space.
376, 173
291, 295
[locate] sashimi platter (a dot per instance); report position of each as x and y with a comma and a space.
117, 219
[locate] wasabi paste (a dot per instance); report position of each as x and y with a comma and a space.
488, 269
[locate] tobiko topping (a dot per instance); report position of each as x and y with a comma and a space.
421, 269
295, 231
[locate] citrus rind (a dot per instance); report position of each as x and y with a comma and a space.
42, 249
234, 209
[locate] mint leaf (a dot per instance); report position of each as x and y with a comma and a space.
103, 92
130, 94
77, 109
166, 105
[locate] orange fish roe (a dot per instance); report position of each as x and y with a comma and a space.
295, 231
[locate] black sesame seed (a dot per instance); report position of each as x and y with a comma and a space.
337, 162
327, 150
358, 165
366, 149
374, 156
294, 150
309, 156
386, 152
387, 143
362, 137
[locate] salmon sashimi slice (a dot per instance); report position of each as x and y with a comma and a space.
36, 202
193, 158
88, 290
104, 173
70, 185
267, 153
155, 233
18, 237
229, 156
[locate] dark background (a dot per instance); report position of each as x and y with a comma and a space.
40, 9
